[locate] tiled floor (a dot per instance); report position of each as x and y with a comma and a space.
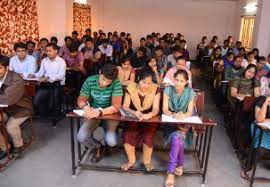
48, 164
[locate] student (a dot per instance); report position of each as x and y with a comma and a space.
237, 47
215, 40
31, 49
242, 52
126, 51
106, 49
235, 70
52, 69
262, 115
88, 50
230, 40
149, 43
216, 54
250, 60
225, 47
115, 43
42, 49
129, 39
180, 65
163, 44
157, 73
64, 49
200, 48
209, 49
178, 102
13, 94
176, 52
138, 58
143, 44
265, 84
88, 32
261, 71
218, 74
245, 85
109, 36
76, 41
22, 63
100, 39
84, 38
161, 59
228, 59
256, 53
141, 99
184, 51
126, 73
55, 41
100, 95
94, 65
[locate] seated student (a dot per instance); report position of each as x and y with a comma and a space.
22, 63
126, 73
88, 32
209, 49
261, 71
246, 85
178, 102
83, 42
94, 65
216, 54
149, 43
265, 84
157, 72
250, 60
126, 50
64, 49
180, 65
218, 73
30, 45
256, 52
138, 58
100, 39
242, 53
200, 48
52, 68
228, 59
75, 37
115, 43
235, 70
129, 39
13, 94
184, 51
164, 46
54, 40
176, 52
141, 99
104, 94
262, 115
42, 49
88, 49
237, 47
225, 47
75, 69
161, 59
230, 39
143, 45
106, 49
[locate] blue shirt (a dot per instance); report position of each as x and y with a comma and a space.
26, 66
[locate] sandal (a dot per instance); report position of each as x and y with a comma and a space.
149, 167
244, 175
178, 171
127, 166
98, 154
170, 180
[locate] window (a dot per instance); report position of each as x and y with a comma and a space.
246, 32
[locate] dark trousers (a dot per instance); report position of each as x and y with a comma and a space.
48, 100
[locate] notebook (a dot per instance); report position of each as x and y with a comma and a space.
192, 119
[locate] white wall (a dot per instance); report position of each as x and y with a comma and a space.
192, 18
55, 18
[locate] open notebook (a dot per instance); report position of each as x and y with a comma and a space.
192, 119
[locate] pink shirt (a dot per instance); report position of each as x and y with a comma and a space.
169, 77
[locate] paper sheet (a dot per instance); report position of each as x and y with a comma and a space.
31, 79
3, 106
240, 98
79, 112
265, 125
192, 119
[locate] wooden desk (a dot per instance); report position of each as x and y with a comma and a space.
201, 151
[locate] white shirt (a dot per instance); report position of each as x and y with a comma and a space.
54, 69
2, 80
245, 63
26, 66
171, 60
224, 51
81, 46
107, 51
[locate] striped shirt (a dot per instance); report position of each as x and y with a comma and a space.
100, 97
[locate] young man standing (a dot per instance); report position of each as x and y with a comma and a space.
100, 95
13, 94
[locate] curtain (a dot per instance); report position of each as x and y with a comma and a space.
81, 18
18, 23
